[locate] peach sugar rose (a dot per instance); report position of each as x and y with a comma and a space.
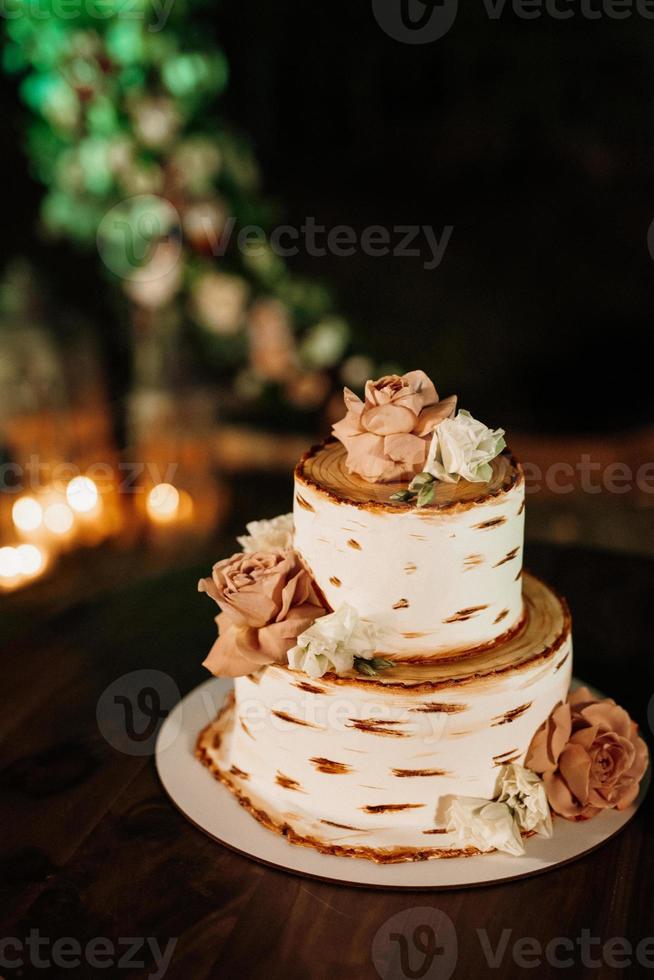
590, 756
387, 435
267, 600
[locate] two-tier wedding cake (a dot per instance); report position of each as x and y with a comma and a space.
401, 684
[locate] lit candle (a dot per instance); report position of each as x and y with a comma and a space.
31, 559
82, 495
20, 564
27, 514
9, 563
163, 503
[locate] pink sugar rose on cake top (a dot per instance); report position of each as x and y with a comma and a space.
590, 756
387, 434
267, 600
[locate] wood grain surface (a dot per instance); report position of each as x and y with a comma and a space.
91, 846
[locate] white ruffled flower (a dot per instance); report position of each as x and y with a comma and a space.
463, 447
332, 643
268, 535
484, 824
524, 793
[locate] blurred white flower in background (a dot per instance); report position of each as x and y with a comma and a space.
218, 302
324, 343
272, 351
196, 163
157, 281
203, 223
155, 121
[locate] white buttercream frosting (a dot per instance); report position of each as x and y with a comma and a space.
433, 580
353, 761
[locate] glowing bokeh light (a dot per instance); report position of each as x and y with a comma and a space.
27, 514
163, 502
82, 494
58, 518
9, 563
30, 558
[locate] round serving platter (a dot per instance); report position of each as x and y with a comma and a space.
213, 809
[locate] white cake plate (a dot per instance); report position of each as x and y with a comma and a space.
213, 809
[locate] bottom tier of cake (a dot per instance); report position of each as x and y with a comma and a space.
366, 766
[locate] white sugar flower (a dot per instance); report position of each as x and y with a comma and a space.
332, 643
463, 447
268, 535
484, 824
524, 793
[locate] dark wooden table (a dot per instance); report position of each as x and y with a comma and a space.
91, 847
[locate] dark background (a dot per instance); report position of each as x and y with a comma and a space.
533, 138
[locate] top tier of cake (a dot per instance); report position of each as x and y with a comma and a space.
438, 580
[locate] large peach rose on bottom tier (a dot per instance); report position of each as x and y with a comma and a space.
387, 435
267, 600
589, 755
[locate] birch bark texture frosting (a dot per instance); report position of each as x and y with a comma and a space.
373, 764
436, 580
